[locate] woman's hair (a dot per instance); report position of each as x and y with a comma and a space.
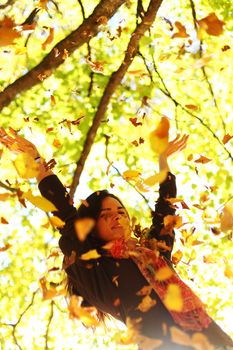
89, 208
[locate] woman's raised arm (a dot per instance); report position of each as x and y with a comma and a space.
167, 189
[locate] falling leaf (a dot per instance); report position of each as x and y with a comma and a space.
157, 178
114, 280
8, 32
228, 272
202, 62
135, 122
181, 31
171, 221
173, 298
57, 143
56, 221
190, 157
26, 166
211, 25
84, 314
39, 202
83, 227
146, 304
209, 259
50, 292
91, 254
53, 100
4, 221
201, 342
159, 137
226, 138
226, 218
176, 257
7, 246
163, 273
131, 174
145, 290
192, 107
85, 202
203, 160
225, 48
180, 337
49, 39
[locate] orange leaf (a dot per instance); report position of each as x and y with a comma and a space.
176, 257
53, 101
4, 221
211, 24
146, 290
146, 304
226, 138
83, 227
203, 160
7, 246
181, 31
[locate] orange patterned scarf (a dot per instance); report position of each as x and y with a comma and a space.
191, 314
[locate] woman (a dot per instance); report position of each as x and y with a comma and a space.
120, 276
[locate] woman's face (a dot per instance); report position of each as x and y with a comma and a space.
113, 222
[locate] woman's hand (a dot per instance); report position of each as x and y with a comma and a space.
173, 146
18, 144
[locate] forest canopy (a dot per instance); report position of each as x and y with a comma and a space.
87, 82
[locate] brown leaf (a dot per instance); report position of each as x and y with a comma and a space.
134, 121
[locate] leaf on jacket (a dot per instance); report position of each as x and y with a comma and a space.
91, 254
173, 298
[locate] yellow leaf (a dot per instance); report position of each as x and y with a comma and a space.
91, 254
56, 221
84, 314
146, 304
157, 178
173, 298
83, 227
176, 257
179, 337
163, 273
26, 166
131, 174
226, 219
201, 342
159, 137
40, 202
228, 271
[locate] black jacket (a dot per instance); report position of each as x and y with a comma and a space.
104, 280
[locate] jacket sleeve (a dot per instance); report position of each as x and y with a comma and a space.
52, 189
163, 208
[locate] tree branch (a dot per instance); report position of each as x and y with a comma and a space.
169, 95
88, 29
113, 82
203, 68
